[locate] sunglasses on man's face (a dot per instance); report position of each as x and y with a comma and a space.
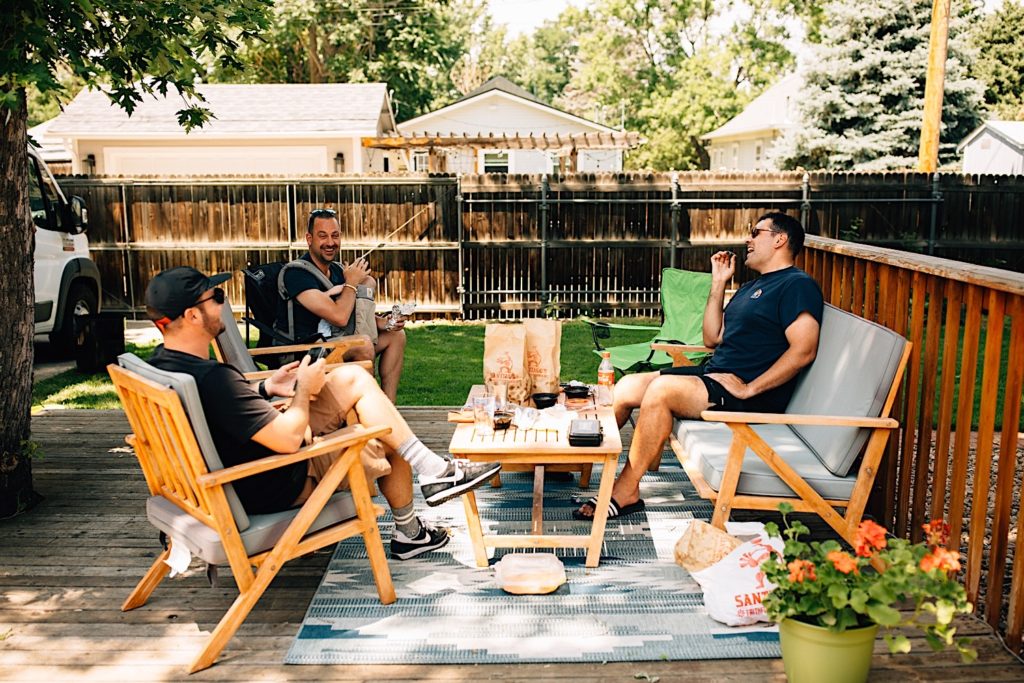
217, 296
754, 231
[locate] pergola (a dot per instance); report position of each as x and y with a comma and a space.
564, 146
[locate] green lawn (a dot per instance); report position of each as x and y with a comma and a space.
442, 361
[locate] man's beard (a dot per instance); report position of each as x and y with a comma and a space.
212, 324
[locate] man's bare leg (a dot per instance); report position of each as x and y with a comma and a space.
350, 386
665, 397
397, 486
629, 394
390, 348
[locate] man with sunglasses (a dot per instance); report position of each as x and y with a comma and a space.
314, 303
762, 339
185, 305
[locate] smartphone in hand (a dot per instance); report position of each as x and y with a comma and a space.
317, 352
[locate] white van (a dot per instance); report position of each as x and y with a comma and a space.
67, 282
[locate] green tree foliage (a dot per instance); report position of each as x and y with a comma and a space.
999, 38
412, 45
863, 98
131, 49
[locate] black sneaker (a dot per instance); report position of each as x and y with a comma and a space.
429, 538
461, 476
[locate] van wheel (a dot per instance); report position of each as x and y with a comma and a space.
81, 301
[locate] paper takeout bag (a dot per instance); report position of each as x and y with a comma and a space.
701, 545
505, 360
543, 353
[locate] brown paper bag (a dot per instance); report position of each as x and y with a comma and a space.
504, 360
543, 353
701, 545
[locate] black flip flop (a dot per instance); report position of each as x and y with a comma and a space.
614, 509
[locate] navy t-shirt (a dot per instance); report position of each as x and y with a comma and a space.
234, 412
296, 281
756, 320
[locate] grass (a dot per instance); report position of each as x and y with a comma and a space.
442, 361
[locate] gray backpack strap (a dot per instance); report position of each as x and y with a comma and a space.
282, 291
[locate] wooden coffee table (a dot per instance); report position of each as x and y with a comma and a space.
540, 448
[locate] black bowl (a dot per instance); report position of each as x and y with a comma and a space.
577, 391
544, 400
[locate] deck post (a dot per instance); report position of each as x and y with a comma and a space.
674, 220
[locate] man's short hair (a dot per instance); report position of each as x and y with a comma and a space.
319, 213
784, 223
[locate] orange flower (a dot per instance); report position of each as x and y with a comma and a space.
870, 537
801, 570
941, 558
937, 532
842, 562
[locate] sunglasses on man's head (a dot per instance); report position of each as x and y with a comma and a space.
321, 213
217, 295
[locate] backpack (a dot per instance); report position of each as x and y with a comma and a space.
264, 288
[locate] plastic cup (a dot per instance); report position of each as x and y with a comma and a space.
483, 414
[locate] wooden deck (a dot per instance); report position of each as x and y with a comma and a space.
66, 566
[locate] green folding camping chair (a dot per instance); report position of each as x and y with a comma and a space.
683, 297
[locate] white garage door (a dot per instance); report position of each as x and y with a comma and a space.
214, 160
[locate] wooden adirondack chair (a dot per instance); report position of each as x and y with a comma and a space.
193, 502
806, 456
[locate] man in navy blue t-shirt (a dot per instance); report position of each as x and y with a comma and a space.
762, 339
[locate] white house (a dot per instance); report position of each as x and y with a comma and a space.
994, 147
742, 143
280, 129
501, 128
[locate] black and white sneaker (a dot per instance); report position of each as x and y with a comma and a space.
429, 538
460, 477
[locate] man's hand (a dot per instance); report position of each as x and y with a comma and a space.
733, 384
311, 376
335, 291
282, 382
382, 324
356, 272
723, 267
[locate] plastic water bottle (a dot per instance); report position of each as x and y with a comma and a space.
605, 380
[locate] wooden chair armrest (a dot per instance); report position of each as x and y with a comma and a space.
264, 374
786, 419
346, 343
672, 348
334, 441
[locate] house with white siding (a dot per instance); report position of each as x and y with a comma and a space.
994, 147
742, 143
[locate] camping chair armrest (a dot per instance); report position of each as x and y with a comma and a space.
616, 326
346, 343
334, 441
786, 419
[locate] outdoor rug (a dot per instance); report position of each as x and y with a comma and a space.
638, 605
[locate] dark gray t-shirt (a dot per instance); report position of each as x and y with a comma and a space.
296, 281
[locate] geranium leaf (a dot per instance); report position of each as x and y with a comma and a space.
858, 600
884, 615
944, 611
897, 644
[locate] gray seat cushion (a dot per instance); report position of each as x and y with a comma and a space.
185, 386
851, 376
262, 533
707, 444
231, 343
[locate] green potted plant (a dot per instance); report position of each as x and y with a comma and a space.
829, 603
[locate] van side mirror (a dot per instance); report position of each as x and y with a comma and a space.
77, 218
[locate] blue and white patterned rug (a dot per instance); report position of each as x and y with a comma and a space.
638, 605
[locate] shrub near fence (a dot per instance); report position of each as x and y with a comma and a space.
507, 246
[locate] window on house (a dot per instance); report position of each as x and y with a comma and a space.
735, 155
495, 162
420, 161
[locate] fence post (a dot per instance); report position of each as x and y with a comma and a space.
933, 222
461, 289
293, 220
544, 188
805, 201
674, 221
129, 240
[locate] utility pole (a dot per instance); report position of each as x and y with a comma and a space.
928, 156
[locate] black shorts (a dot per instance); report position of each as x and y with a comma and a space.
772, 401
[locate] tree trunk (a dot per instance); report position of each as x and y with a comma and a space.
17, 237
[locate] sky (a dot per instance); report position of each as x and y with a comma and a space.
522, 16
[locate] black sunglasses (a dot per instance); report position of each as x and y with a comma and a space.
218, 297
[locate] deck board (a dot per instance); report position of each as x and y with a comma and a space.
66, 566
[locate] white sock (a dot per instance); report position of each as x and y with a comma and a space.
421, 459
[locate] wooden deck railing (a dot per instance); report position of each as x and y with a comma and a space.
959, 455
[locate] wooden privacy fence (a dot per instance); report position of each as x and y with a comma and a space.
959, 457
507, 246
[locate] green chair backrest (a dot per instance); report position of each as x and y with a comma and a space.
683, 297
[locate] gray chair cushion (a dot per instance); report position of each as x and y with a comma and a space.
707, 444
262, 533
185, 386
231, 343
851, 376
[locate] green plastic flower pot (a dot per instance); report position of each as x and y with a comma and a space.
812, 654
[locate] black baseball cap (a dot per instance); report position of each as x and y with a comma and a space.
174, 290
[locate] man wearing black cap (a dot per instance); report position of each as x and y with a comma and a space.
185, 305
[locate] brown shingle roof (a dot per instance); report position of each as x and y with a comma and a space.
291, 108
